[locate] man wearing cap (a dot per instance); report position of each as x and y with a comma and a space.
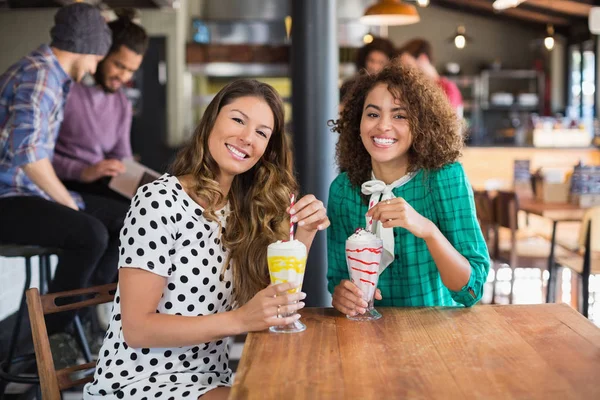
94, 135
35, 207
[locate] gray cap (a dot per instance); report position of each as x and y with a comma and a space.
80, 28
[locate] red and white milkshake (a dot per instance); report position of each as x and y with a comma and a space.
363, 255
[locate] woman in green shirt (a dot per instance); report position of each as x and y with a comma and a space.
398, 148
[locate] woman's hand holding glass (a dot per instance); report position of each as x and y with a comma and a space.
268, 306
348, 299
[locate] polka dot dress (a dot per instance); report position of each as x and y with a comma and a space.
165, 233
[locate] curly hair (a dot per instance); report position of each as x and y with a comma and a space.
258, 198
436, 132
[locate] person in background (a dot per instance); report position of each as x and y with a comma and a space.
420, 53
399, 141
35, 207
373, 56
94, 135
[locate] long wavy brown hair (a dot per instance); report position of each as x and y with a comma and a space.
435, 128
258, 198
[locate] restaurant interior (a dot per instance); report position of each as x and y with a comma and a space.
526, 72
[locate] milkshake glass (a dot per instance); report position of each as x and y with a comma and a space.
287, 263
363, 255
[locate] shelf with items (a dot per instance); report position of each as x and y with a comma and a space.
470, 90
504, 89
508, 100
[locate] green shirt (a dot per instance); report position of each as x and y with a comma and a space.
443, 196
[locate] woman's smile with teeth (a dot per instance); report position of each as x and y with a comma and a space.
384, 142
236, 152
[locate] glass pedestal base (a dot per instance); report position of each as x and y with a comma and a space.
370, 315
294, 327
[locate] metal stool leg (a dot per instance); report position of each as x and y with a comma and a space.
48, 271
81, 339
43, 279
14, 340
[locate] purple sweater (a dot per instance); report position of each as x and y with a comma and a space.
95, 127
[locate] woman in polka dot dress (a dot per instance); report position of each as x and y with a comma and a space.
192, 261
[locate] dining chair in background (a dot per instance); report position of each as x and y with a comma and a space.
585, 261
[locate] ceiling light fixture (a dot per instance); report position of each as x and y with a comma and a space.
390, 12
423, 3
549, 40
500, 5
460, 39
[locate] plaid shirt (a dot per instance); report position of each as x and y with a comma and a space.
32, 98
443, 196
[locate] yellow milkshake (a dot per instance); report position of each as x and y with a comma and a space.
287, 263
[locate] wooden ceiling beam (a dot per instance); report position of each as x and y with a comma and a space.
574, 8
515, 13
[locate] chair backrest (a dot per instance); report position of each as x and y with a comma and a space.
506, 208
52, 382
484, 206
485, 212
591, 215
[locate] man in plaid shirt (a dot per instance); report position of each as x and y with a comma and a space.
35, 207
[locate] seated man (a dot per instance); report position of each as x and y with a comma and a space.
419, 52
94, 135
35, 207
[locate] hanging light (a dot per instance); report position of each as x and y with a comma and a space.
423, 3
390, 12
549, 40
288, 26
500, 5
460, 39
368, 38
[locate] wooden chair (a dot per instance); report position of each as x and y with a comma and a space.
485, 214
515, 247
484, 207
586, 260
52, 382
14, 358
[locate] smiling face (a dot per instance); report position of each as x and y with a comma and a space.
240, 135
118, 68
384, 129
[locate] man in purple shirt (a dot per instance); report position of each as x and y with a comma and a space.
94, 135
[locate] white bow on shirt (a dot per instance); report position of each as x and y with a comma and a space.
379, 191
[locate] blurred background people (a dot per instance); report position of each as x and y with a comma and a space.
94, 137
418, 52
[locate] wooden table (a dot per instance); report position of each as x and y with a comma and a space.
553, 211
545, 351
556, 212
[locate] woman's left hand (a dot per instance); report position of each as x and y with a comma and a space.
397, 212
310, 214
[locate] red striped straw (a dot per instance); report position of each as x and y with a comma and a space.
370, 225
292, 201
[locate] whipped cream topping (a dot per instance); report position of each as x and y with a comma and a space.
287, 248
362, 235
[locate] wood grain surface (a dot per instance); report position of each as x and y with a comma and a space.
484, 352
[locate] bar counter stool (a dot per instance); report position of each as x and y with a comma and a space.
29, 252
